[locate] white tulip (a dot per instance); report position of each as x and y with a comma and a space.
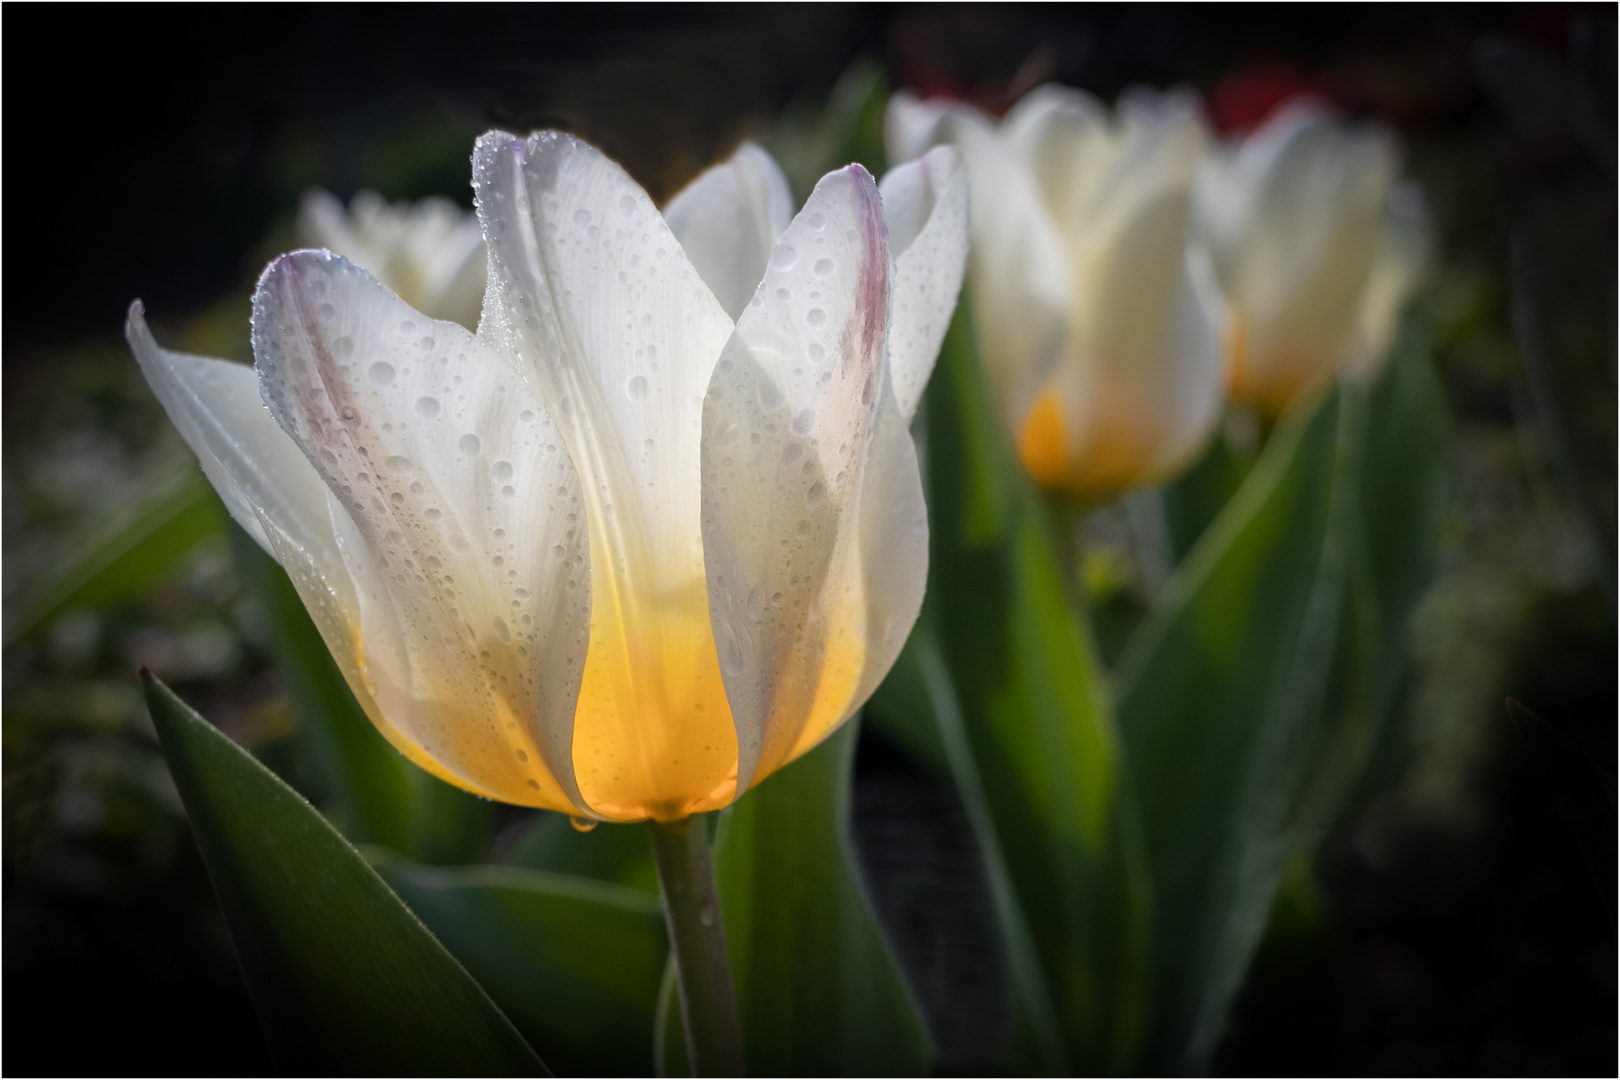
430, 252
1316, 249
1097, 326
619, 553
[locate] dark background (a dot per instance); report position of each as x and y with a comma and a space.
1453, 926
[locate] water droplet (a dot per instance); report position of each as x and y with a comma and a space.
814, 497
582, 824
627, 206
816, 317
817, 221
326, 313
784, 257
382, 373
501, 631
501, 470
784, 294
427, 407
638, 387
823, 267
343, 348
398, 463
470, 443
582, 218
804, 422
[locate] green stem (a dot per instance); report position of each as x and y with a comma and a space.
698, 941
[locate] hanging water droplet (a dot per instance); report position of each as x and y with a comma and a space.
582, 824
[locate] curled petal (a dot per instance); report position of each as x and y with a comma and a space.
595, 303
926, 205
729, 219
265, 481
810, 488
457, 513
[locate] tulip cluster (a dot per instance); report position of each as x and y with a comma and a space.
1125, 270
652, 532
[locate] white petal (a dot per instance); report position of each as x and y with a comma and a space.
787, 457
1405, 246
1064, 138
926, 205
1017, 266
450, 493
267, 484
593, 299
1307, 248
729, 219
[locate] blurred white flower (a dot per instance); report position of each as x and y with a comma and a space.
1316, 248
623, 552
430, 252
1098, 327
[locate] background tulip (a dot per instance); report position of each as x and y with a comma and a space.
430, 252
1316, 250
1096, 325
616, 554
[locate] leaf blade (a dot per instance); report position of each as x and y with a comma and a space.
344, 977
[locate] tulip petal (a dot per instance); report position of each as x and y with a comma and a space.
729, 219
1017, 265
1405, 246
811, 582
1295, 232
265, 481
451, 497
926, 205
594, 301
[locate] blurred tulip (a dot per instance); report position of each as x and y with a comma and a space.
1316, 249
616, 554
1097, 326
431, 252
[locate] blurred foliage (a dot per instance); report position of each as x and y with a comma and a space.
1436, 929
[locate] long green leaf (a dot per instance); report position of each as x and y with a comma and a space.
127, 554
575, 963
1221, 694
376, 795
1038, 717
345, 979
818, 990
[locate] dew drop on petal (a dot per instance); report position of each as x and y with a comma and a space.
823, 267
502, 470
398, 463
469, 443
382, 373
638, 387
581, 824
427, 407
815, 317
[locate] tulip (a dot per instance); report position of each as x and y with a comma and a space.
1097, 326
431, 253
1316, 249
651, 532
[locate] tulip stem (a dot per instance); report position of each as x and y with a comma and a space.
698, 940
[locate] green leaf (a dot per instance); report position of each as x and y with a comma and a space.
818, 990
125, 556
575, 963
1221, 697
1037, 715
345, 979
376, 795
1194, 499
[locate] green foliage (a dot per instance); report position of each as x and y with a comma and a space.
345, 979
1038, 719
575, 963
1218, 692
818, 990
125, 557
